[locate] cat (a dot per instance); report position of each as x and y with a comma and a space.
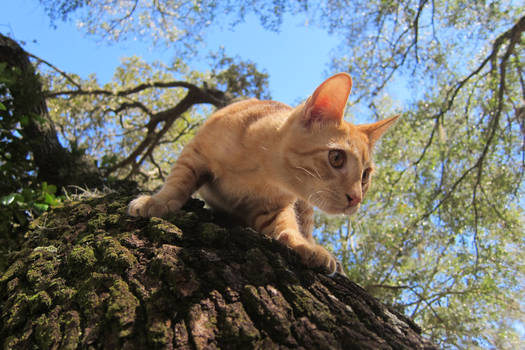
270, 164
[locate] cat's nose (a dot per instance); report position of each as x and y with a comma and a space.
353, 200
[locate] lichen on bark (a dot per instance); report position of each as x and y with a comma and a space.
88, 276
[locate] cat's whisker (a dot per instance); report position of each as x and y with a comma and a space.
306, 171
324, 198
319, 200
311, 196
318, 175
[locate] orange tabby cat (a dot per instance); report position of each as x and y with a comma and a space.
269, 164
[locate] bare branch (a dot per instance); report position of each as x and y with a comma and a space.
56, 69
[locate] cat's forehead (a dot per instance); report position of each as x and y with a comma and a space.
355, 142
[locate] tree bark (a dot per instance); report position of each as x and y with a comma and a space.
55, 164
89, 276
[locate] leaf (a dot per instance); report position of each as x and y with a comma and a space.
2, 107
41, 206
51, 189
24, 120
7, 200
49, 199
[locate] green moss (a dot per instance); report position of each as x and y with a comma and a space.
122, 305
39, 302
99, 221
20, 341
113, 254
237, 326
87, 299
61, 292
82, 210
210, 233
15, 269
87, 238
47, 330
184, 220
160, 333
113, 219
13, 285
162, 231
122, 282
16, 310
71, 330
82, 256
307, 304
43, 267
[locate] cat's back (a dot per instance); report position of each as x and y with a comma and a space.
240, 128
244, 113
239, 138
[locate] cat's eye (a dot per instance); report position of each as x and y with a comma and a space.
337, 158
366, 175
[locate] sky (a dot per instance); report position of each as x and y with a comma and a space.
296, 58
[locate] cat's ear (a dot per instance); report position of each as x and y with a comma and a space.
328, 101
375, 130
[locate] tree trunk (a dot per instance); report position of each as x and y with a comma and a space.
89, 276
55, 164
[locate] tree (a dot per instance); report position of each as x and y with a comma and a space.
90, 276
440, 237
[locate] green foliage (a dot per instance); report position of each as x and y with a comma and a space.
61, 10
179, 24
20, 207
110, 120
238, 77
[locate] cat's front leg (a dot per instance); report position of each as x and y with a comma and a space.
185, 177
282, 225
304, 213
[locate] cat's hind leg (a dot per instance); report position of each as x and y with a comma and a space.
185, 177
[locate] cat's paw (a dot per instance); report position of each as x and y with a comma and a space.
315, 255
149, 206
340, 270
312, 255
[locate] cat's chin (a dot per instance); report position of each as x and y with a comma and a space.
351, 210
338, 211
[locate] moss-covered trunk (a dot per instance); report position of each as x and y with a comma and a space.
89, 276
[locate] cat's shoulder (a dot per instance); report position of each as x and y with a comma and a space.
250, 110
254, 104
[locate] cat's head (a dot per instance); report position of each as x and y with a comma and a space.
327, 161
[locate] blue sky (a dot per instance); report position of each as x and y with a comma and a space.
296, 58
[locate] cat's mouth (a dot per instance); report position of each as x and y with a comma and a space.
331, 203
338, 209
351, 210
